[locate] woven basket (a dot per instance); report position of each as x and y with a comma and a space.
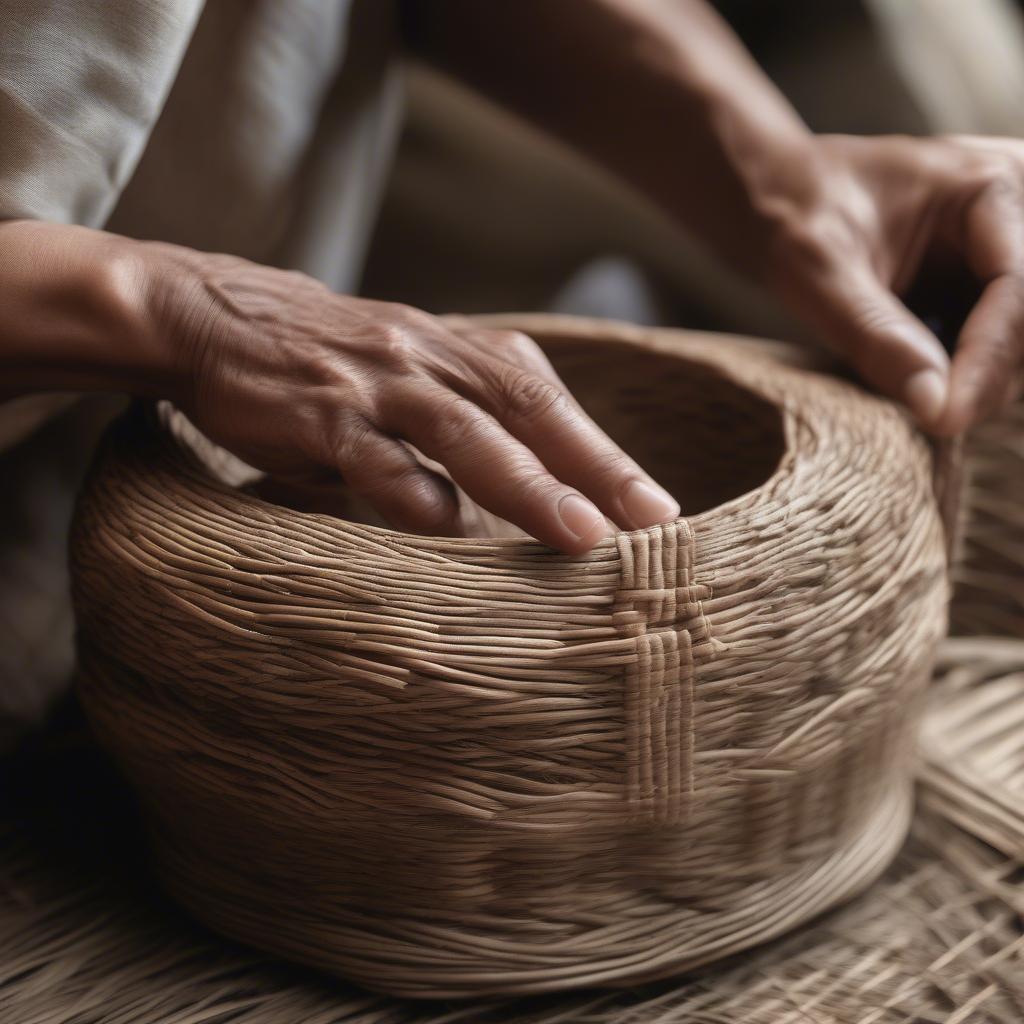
446, 767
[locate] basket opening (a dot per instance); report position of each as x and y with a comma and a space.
702, 436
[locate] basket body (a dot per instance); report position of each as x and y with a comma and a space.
446, 768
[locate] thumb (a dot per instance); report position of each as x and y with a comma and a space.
888, 346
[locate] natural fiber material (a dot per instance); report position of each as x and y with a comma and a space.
974, 741
450, 767
988, 598
84, 941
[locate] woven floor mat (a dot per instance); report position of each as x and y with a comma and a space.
85, 938
973, 740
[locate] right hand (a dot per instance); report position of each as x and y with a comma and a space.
301, 382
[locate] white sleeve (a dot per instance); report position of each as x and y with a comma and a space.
82, 83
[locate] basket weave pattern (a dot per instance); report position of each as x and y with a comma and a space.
450, 767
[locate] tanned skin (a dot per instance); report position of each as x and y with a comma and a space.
842, 227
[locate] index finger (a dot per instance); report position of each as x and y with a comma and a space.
530, 401
986, 365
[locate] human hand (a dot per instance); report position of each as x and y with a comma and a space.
897, 222
852, 232
303, 383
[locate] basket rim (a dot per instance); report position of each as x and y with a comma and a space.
661, 341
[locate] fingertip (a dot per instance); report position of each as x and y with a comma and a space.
925, 394
646, 504
582, 545
584, 524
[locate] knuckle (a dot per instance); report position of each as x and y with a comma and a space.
402, 482
413, 318
423, 502
353, 438
1002, 352
810, 243
301, 280
996, 177
606, 473
397, 345
999, 343
1008, 194
407, 494
528, 396
448, 422
530, 486
317, 364
613, 469
516, 343
872, 321
876, 336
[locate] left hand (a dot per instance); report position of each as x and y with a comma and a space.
849, 231
887, 219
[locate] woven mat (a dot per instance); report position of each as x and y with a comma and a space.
86, 938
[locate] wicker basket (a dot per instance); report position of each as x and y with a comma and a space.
447, 767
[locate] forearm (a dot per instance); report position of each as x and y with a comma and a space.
658, 91
74, 313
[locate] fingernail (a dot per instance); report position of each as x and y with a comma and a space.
925, 394
580, 517
646, 505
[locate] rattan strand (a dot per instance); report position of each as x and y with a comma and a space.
938, 939
973, 743
455, 767
988, 598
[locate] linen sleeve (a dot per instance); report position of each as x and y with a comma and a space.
82, 83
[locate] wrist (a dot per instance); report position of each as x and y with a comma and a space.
746, 170
75, 311
115, 288
174, 309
